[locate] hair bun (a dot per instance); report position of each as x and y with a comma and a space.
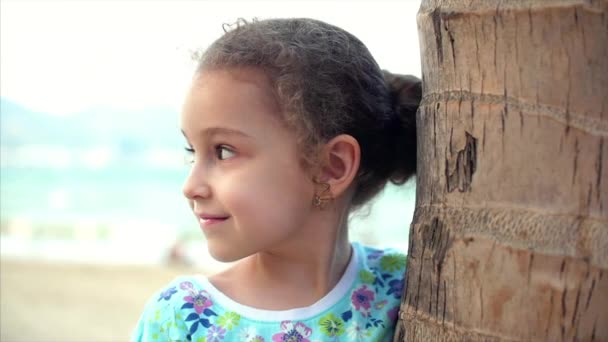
406, 93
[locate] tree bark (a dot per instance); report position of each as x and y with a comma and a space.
510, 234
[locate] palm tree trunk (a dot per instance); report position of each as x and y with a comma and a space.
510, 234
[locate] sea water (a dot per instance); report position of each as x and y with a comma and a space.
134, 215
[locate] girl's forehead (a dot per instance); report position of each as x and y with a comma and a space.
234, 86
241, 76
241, 96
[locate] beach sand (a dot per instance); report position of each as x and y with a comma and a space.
51, 301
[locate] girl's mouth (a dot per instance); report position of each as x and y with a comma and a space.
210, 220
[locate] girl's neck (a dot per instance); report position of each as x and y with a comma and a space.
314, 271
308, 266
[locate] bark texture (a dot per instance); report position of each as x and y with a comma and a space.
510, 234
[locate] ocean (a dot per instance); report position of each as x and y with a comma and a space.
134, 215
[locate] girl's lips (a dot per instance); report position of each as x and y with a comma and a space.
209, 221
206, 219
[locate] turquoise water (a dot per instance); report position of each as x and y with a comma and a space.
64, 195
62, 203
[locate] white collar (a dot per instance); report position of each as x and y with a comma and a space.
330, 299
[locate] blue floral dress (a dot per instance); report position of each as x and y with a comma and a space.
363, 306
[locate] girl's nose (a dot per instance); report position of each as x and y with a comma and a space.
196, 186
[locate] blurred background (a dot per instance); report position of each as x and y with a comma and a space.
92, 219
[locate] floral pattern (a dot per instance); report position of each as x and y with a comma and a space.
367, 277
362, 298
393, 262
200, 300
215, 333
291, 332
166, 295
247, 334
392, 313
331, 325
229, 320
356, 332
395, 287
185, 311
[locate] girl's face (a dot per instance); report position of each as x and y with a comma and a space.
246, 186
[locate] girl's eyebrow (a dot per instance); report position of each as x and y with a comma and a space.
211, 131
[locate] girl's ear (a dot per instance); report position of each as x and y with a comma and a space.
340, 163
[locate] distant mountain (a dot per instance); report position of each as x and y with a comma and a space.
20, 126
128, 129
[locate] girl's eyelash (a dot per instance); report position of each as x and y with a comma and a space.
218, 149
189, 157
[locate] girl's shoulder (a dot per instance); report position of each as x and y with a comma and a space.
183, 291
368, 311
170, 313
386, 260
381, 276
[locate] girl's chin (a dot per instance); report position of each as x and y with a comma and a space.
224, 253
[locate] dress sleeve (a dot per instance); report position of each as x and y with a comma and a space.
160, 322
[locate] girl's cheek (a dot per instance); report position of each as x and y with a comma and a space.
246, 192
236, 191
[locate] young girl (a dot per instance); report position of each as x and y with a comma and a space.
291, 125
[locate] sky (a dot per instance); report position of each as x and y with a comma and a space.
63, 57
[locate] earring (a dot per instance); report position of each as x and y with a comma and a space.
323, 197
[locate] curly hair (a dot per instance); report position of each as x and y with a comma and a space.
327, 83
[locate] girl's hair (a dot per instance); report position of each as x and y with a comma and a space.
327, 83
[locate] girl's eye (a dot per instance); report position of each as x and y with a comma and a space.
189, 157
223, 152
